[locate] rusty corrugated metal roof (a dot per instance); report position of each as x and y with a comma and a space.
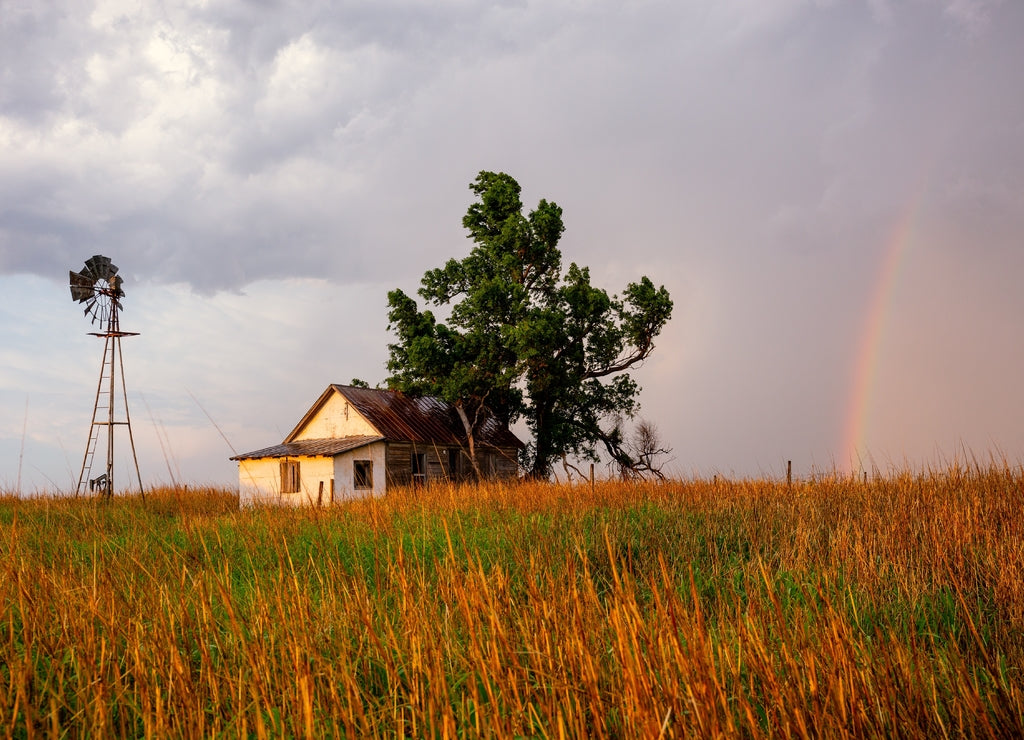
310, 448
402, 418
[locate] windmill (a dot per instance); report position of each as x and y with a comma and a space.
98, 287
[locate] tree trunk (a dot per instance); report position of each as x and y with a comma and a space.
544, 452
470, 441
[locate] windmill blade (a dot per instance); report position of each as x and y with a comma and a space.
89, 307
81, 287
101, 267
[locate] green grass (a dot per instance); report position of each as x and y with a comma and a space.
692, 609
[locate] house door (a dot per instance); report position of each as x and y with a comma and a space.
454, 473
419, 468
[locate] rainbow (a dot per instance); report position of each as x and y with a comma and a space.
866, 368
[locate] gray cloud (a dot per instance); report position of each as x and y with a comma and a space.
753, 156
230, 129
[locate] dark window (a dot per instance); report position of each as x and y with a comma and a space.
362, 473
290, 476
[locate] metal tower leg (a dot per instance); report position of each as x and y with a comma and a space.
111, 367
94, 425
128, 421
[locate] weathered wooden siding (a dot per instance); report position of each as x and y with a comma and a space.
493, 463
502, 463
337, 418
399, 464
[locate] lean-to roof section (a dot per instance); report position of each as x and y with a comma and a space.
310, 448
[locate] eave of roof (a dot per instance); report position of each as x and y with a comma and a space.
311, 448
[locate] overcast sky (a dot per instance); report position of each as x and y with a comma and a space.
833, 193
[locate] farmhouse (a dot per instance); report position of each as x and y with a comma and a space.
356, 442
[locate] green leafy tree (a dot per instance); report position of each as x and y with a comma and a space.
522, 340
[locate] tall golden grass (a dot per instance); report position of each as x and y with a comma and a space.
831, 608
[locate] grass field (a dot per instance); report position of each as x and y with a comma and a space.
830, 608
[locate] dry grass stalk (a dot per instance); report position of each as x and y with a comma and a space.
683, 609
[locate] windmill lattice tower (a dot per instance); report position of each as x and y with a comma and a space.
98, 286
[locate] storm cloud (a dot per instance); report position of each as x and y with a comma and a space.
263, 172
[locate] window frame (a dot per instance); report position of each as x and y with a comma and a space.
362, 482
291, 476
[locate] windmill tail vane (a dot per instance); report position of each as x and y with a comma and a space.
98, 287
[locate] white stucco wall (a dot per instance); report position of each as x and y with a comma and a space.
259, 481
337, 418
344, 484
